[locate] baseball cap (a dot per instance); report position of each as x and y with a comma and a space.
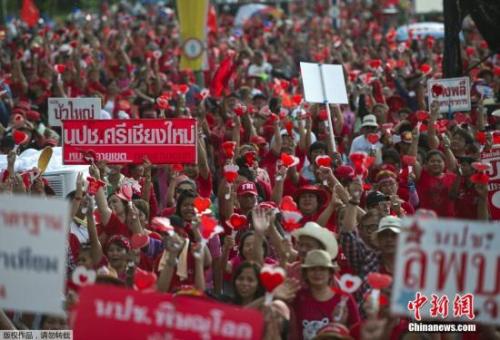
392, 223
247, 188
375, 197
369, 120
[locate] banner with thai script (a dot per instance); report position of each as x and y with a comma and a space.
448, 270
130, 141
493, 157
33, 244
106, 312
60, 109
453, 94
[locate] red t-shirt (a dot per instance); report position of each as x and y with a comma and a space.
204, 186
114, 227
312, 315
466, 202
433, 193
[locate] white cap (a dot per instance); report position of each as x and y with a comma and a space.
392, 223
369, 120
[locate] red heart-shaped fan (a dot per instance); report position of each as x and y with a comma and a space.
378, 280
231, 172
138, 241
409, 160
441, 125
82, 276
481, 137
470, 51
323, 160
239, 110
369, 161
291, 220
162, 102
201, 204
425, 68
144, 280
373, 138
297, 99
60, 68
20, 137
272, 118
437, 90
183, 88
271, 277
323, 115
289, 127
358, 159
375, 63
481, 167
422, 115
209, 227
250, 158
480, 178
177, 167
125, 193
289, 160
228, 148
288, 204
366, 78
237, 221
461, 118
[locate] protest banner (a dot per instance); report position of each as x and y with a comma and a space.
453, 94
493, 157
130, 141
106, 312
448, 269
33, 246
193, 16
324, 83
73, 109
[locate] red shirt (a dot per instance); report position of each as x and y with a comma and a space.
433, 193
115, 227
204, 185
466, 202
312, 315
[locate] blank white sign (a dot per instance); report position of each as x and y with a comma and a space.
333, 79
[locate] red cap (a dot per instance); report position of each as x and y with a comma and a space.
33, 116
345, 172
259, 140
247, 188
122, 240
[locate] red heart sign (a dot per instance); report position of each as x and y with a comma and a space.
422, 115
297, 99
20, 137
126, 192
349, 283
161, 225
289, 160
82, 277
441, 125
409, 160
139, 241
209, 227
481, 167
271, 277
461, 118
358, 159
437, 90
237, 221
183, 88
375, 63
228, 148
373, 138
288, 204
250, 158
378, 280
144, 280
369, 161
323, 160
239, 110
480, 178
231, 172
481, 137
162, 102
291, 220
201, 204
60, 68
425, 68
178, 167
323, 115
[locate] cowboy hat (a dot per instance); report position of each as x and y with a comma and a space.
322, 235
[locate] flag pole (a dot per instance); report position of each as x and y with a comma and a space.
329, 113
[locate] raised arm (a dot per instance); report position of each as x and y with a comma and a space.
100, 197
95, 245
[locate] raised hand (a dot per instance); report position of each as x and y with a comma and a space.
287, 290
261, 220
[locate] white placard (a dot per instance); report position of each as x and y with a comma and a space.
428, 6
455, 96
73, 108
449, 258
33, 245
315, 76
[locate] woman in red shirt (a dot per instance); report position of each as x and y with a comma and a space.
434, 183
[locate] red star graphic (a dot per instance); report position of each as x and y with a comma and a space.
414, 234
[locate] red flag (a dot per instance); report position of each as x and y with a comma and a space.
212, 19
30, 13
221, 77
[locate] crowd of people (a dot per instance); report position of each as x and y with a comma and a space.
394, 155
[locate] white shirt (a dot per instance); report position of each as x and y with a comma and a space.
81, 232
360, 143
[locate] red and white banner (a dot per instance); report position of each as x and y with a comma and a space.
106, 312
130, 141
33, 245
453, 94
493, 158
448, 270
